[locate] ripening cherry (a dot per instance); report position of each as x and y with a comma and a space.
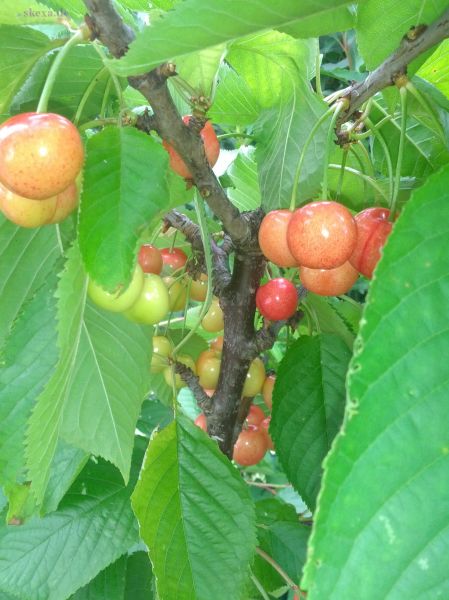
40, 154
25, 212
213, 319
217, 344
254, 379
198, 288
329, 282
373, 228
201, 422
120, 300
211, 148
255, 415
204, 356
177, 293
66, 203
321, 235
264, 426
173, 259
273, 238
150, 259
250, 447
152, 304
277, 299
186, 360
162, 349
267, 390
208, 370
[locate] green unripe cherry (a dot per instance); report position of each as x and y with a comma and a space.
162, 348
120, 300
152, 304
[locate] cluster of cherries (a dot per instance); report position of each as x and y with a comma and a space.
41, 157
328, 245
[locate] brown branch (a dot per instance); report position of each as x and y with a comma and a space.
108, 27
417, 41
192, 381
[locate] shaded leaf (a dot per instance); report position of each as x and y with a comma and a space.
245, 193
234, 103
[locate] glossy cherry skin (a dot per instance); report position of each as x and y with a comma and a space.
177, 293
121, 300
198, 288
267, 390
254, 379
273, 238
150, 259
24, 211
162, 348
213, 319
211, 148
373, 229
66, 203
277, 299
321, 235
201, 422
329, 282
40, 154
152, 304
255, 415
250, 447
217, 344
264, 426
208, 372
173, 259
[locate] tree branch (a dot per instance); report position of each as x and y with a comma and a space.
417, 41
192, 381
108, 27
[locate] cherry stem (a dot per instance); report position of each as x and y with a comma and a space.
86, 94
236, 134
342, 173
366, 178
115, 81
303, 155
397, 179
205, 238
98, 123
259, 587
374, 129
337, 110
319, 89
291, 584
367, 134
51, 77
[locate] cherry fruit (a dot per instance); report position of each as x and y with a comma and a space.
177, 293
201, 422
213, 319
373, 228
186, 360
198, 288
267, 390
273, 238
277, 299
255, 415
152, 303
150, 259
321, 235
173, 259
329, 282
254, 379
250, 447
211, 148
264, 426
120, 300
40, 154
162, 349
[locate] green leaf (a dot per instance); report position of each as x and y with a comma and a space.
341, 18
195, 516
93, 399
154, 414
109, 583
245, 193
388, 466
82, 67
271, 63
200, 70
234, 103
381, 24
27, 256
51, 557
214, 23
308, 405
75, 8
20, 49
330, 319
124, 189
31, 355
436, 68
281, 134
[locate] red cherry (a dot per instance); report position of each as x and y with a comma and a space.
250, 447
329, 282
150, 259
201, 422
211, 148
255, 415
322, 235
373, 228
277, 299
273, 238
40, 154
264, 426
173, 259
